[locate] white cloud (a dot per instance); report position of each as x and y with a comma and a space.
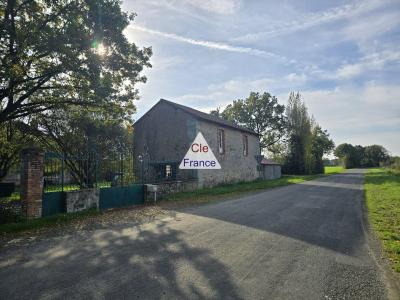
294, 77
364, 29
191, 7
219, 7
314, 19
373, 62
161, 63
221, 94
209, 44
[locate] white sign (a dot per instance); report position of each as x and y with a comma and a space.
199, 156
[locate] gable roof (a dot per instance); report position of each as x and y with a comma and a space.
266, 161
203, 116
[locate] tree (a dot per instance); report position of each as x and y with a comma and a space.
321, 145
347, 155
259, 112
374, 155
97, 135
66, 52
299, 136
14, 136
359, 156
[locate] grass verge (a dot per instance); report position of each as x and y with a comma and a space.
330, 170
229, 190
382, 190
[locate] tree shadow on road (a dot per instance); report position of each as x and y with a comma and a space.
152, 262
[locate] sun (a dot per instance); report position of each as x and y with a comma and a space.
101, 49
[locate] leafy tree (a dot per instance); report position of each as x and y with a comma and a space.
347, 155
66, 52
299, 136
321, 145
308, 142
259, 112
216, 112
97, 134
359, 156
374, 155
14, 136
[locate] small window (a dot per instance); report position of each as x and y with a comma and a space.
221, 141
168, 171
245, 145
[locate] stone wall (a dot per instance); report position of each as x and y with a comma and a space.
235, 166
172, 187
82, 199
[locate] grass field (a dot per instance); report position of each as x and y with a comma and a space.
333, 170
382, 189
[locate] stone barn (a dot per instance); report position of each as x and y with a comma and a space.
270, 169
163, 135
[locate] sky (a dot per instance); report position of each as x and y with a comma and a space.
342, 56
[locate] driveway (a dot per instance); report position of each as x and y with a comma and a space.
303, 241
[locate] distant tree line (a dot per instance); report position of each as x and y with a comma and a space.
358, 156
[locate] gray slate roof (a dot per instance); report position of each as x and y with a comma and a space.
266, 161
206, 117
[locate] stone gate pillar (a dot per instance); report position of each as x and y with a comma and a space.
32, 164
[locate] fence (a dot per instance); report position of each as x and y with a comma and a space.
105, 181
64, 172
69, 184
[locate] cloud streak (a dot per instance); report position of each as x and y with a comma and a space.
211, 44
314, 19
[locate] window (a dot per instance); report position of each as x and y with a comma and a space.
168, 171
221, 141
245, 145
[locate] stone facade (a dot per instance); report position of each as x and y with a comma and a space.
82, 200
164, 134
31, 182
235, 166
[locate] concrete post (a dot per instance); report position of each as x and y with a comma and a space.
32, 164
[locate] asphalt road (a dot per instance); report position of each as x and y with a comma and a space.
302, 241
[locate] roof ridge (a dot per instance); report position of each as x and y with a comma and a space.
208, 117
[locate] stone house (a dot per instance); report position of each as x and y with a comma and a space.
163, 135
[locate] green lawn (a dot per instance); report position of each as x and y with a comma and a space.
382, 189
333, 170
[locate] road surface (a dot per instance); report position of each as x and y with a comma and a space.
303, 241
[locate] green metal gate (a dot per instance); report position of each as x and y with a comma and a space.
121, 196
53, 203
